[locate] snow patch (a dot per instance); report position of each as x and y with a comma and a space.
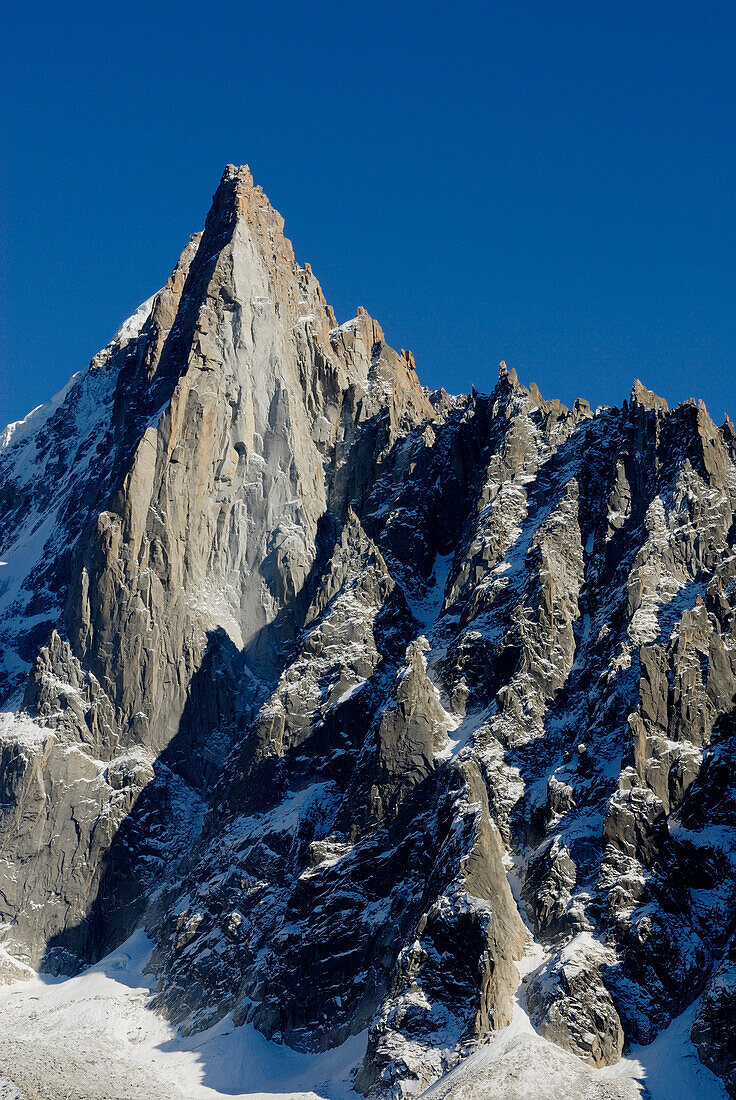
19, 729
426, 608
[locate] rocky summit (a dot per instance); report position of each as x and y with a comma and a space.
387, 716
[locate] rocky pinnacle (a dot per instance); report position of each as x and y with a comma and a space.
355, 694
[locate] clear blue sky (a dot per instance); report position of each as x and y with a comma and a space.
548, 183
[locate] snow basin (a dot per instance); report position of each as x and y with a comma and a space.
92, 1037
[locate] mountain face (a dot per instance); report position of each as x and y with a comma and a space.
349, 691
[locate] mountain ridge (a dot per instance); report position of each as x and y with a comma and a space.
241, 710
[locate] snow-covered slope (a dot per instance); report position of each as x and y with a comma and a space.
48, 463
95, 1036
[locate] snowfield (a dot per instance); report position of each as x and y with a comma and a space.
92, 1037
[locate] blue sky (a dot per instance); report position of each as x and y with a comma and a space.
547, 183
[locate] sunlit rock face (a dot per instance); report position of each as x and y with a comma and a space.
349, 690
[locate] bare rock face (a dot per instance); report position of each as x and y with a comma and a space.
572, 1005
453, 982
215, 525
346, 689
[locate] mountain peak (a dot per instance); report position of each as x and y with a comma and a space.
647, 399
313, 658
237, 199
239, 173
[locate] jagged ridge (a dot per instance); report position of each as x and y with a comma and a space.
307, 667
